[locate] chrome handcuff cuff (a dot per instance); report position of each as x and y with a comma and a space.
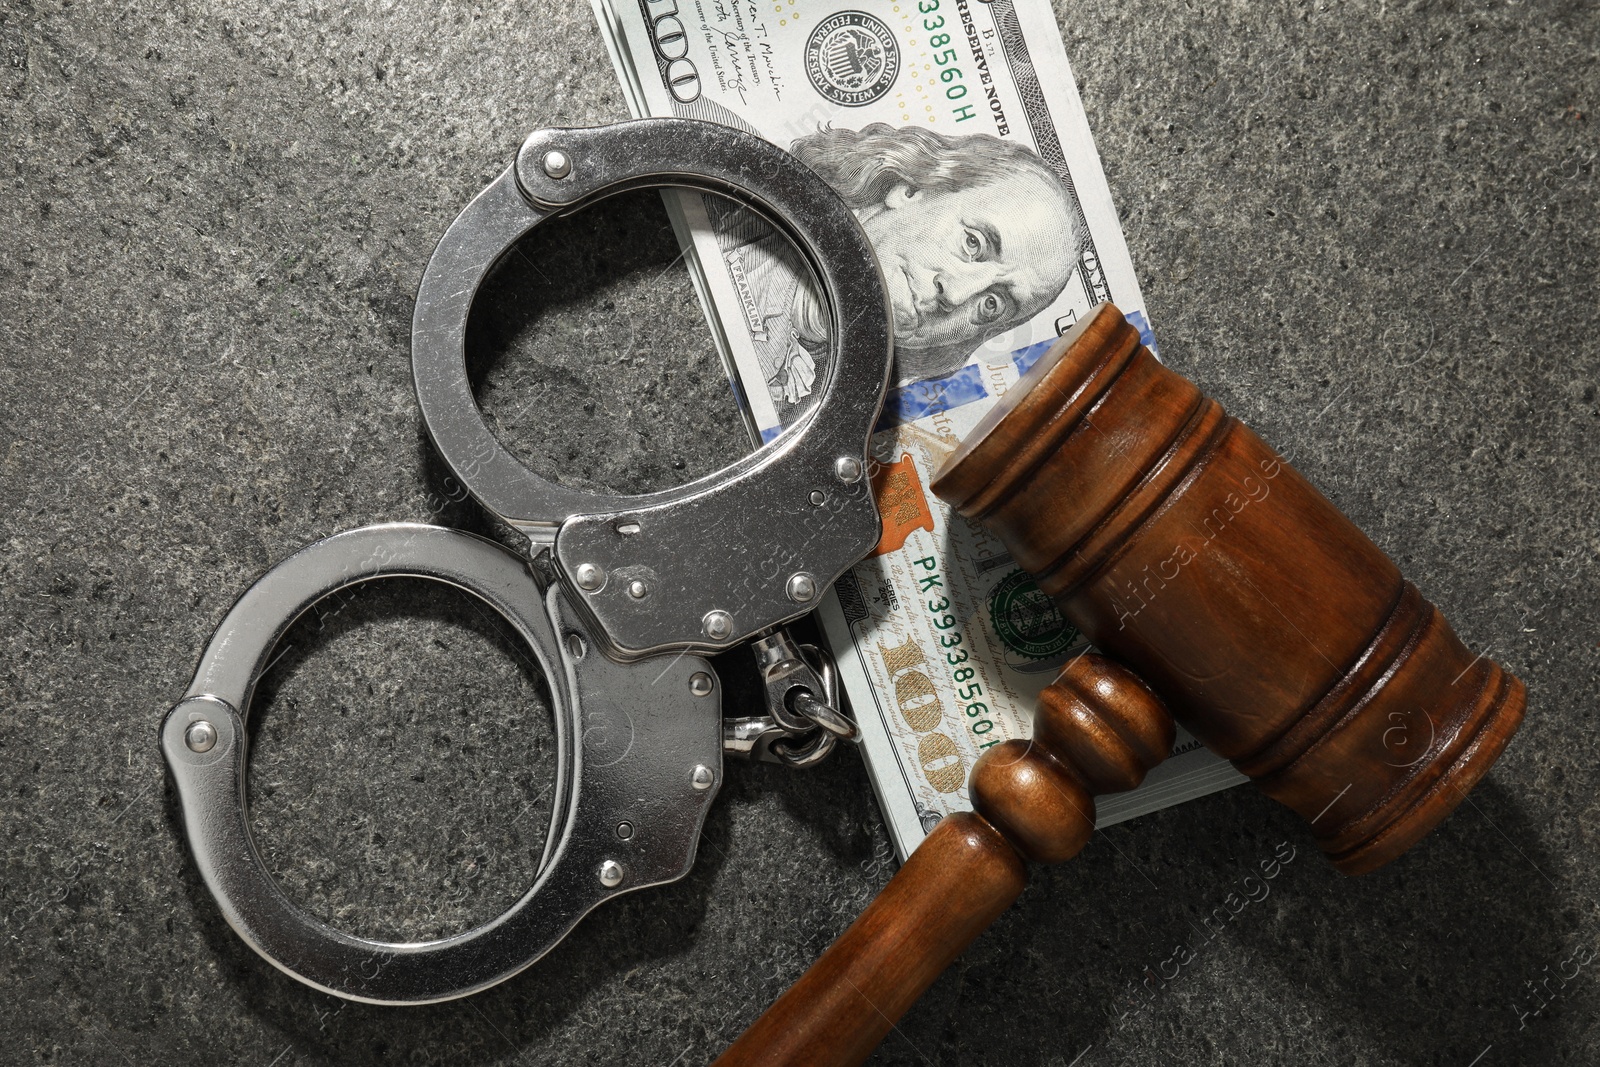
619, 598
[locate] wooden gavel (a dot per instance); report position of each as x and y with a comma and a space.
1178, 542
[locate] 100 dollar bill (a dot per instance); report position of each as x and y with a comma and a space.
954, 131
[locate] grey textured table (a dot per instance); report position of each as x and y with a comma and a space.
1369, 228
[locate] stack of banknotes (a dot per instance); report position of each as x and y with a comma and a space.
954, 130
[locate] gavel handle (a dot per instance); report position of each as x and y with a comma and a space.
1097, 729
955, 884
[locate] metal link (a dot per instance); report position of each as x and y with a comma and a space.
824, 715
803, 720
791, 753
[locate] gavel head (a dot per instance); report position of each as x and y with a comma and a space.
1178, 542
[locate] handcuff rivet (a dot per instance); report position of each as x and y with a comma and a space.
557, 164
817, 498
700, 684
702, 777
718, 625
802, 588
611, 874
848, 468
201, 736
637, 589
624, 831
590, 577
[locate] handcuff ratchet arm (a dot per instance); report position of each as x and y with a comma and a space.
635, 744
797, 513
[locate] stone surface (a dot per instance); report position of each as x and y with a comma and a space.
1369, 228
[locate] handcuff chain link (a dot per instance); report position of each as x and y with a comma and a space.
803, 720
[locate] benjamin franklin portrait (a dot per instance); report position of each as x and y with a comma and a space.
975, 235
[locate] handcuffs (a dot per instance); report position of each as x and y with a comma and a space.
619, 598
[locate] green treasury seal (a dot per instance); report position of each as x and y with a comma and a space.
1026, 621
